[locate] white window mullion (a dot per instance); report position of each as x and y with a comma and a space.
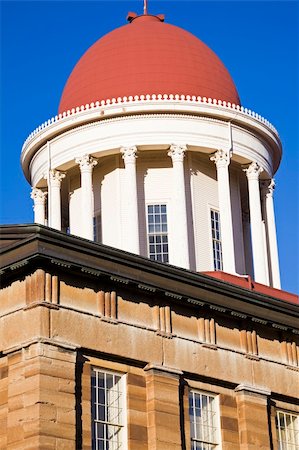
157, 232
108, 419
287, 430
205, 429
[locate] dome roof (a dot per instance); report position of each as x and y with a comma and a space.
147, 56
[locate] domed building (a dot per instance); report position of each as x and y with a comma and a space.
152, 153
147, 296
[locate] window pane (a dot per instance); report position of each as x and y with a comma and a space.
287, 431
203, 421
157, 232
216, 240
107, 407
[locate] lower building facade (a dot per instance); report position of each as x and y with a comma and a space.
103, 349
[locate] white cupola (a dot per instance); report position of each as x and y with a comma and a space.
152, 153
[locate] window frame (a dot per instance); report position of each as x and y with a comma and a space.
154, 233
213, 445
212, 239
97, 227
284, 445
123, 425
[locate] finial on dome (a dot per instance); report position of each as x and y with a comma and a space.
145, 7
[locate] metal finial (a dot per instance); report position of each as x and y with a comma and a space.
145, 7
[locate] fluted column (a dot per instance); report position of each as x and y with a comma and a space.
54, 199
253, 172
222, 159
39, 198
268, 189
86, 163
180, 226
131, 243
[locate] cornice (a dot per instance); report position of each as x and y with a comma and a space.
150, 99
144, 105
42, 248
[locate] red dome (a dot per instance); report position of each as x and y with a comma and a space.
147, 56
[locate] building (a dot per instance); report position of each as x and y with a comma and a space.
144, 308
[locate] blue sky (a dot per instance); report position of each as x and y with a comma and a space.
257, 41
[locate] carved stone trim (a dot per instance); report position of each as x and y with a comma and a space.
177, 152
253, 171
38, 196
221, 158
129, 154
86, 163
56, 178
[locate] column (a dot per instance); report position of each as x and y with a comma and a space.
268, 189
179, 214
222, 159
253, 172
39, 198
54, 199
87, 164
131, 243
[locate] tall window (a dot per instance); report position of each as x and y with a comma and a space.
204, 421
288, 431
157, 232
216, 239
108, 418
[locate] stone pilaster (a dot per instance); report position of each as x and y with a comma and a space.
222, 159
41, 398
163, 408
252, 406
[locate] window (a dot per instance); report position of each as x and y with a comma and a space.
107, 412
157, 232
216, 239
204, 421
97, 231
288, 431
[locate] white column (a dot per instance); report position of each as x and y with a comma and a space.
268, 189
87, 164
222, 159
39, 198
54, 199
253, 172
131, 243
179, 211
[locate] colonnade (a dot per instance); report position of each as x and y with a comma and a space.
181, 257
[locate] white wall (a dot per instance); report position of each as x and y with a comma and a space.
154, 185
205, 196
75, 209
237, 220
107, 189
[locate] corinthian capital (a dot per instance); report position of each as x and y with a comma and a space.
268, 187
253, 171
177, 152
86, 163
221, 158
38, 196
129, 154
56, 177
